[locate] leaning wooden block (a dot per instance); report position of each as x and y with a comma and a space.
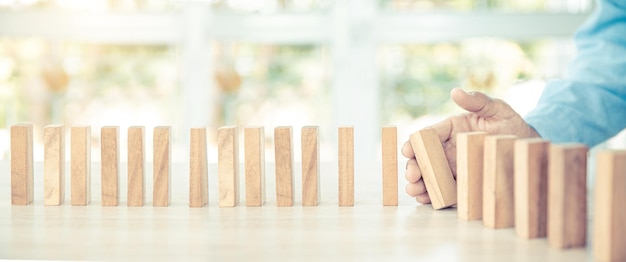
254, 145
53, 165
436, 172
469, 174
284, 166
346, 166
531, 187
198, 180
310, 166
161, 167
390, 165
136, 166
609, 237
80, 159
21, 164
498, 198
228, 166
110, 164
567, 196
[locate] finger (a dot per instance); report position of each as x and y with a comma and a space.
413, 172
423, 198
407, 150
477, 103
443, 129
415, 189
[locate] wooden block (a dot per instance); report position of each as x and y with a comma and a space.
254, 144
284, 166
228, 166
469, 174
53, 165
531, 187
390, 165
498, 196
436, 172
110, 163
567, 196
21, 164
80, 158
609, 236
136, 166
310, 166
198, 180
346, 166
161, 167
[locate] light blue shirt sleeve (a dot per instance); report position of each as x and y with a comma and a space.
589, 105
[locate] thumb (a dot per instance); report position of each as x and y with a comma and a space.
477, 103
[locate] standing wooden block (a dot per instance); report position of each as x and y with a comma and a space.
531, 187
110, 163
498, 196
284, 166
390, 165
567, 196
433, 163
161, 167
228, 166
53, 165
310, 166
80, 158
469, 174
21, 164
609, 237
254, 144
198, 180
346, 166
136, 166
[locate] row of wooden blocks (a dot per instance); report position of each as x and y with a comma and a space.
228, 163
530, 184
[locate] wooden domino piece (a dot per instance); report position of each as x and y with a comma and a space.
531, 187
310, 166
284, 166
498, 198
228, 166
21, 164
390, 165
136, 166
198, 180
161, 167
469, 174
80, 165
254, 147
609, 236
53, 165
567, 196
433, 163
346, 166
110, 163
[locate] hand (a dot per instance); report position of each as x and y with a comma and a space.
493, 116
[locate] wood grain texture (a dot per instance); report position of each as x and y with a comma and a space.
469, 174
567, 196
310, 166
498, 195
283, 150
21, 164
198, 169
136, 166
390, 165
53, 165
80, 165
433, 163
161, 167
110, 165
346, 166
531, 187
254, 147
228, 166
609, 234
